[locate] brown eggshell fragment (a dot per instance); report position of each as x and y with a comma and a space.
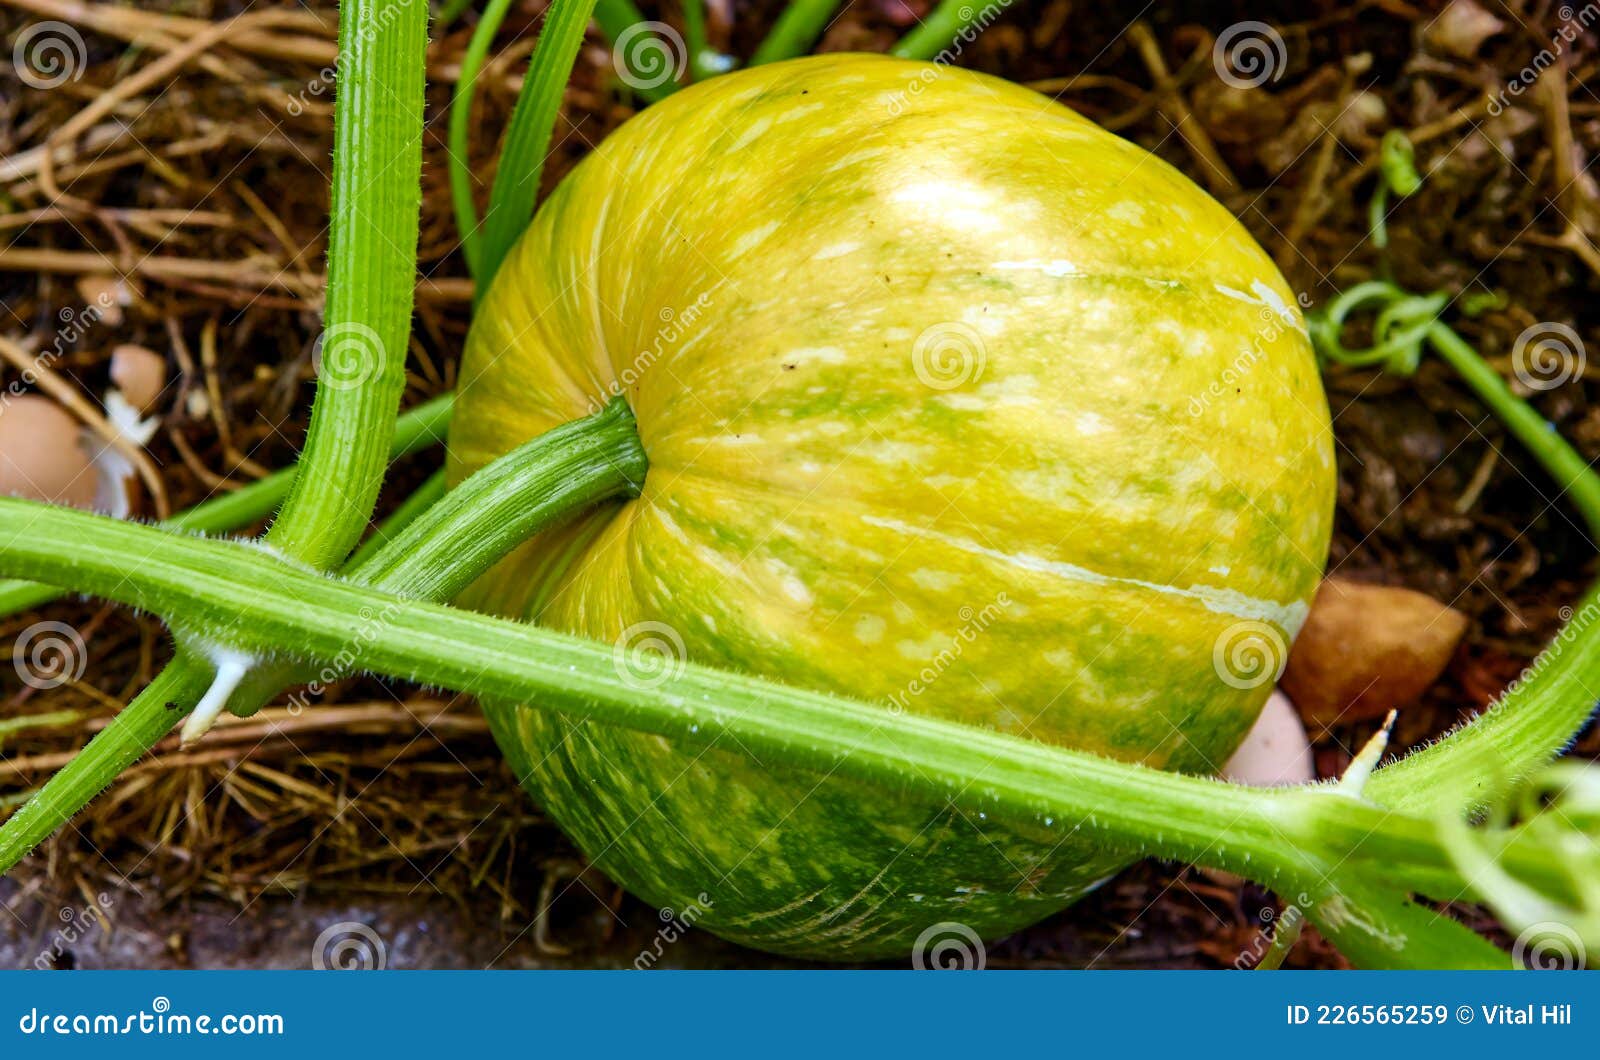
1276, 752
41, 453
1366, 650
139, 373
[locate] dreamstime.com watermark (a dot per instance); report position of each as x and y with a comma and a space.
76, 925
949, 946
349, 946
158, 1020
648, 654
949, 355
1548, 355
973, 22
1549, 946
1572, 626
1291, 919
673, 927
1249, 654
1574, 23
648, 55
973, 625
49, 54
323, 83
346, 355
75, 324
1249, 54
675, 324
48, 655
348, 661
1275, 321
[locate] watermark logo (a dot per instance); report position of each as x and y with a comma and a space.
648, 55
49, 54
1249, 654
1249, 54
972, 23
1548, 355
676, 326
973, 625
1576, 25
349, 946
347, 661
948, 355
48, 655
347, 355
77, 924
949, 946
648, 655
1549, 946
673, 927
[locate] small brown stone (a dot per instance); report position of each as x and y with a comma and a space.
1366, 650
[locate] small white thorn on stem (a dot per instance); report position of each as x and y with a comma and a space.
1354, 781
231, 669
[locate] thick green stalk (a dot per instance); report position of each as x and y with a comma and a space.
568, 469
435, 555
372, 258
1292, 840
516, 183
459, 136
371, 282
948, 26
418, 429
795, 31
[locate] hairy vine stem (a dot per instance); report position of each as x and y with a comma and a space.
431, 557
371, 282
1315, 841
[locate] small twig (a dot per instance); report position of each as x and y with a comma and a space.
1219, 177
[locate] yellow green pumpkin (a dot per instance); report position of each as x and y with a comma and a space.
953, 402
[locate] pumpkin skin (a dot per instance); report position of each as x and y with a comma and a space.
953, 402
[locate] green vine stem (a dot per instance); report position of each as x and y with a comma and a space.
533, 120
1397, 173
795, 30
448, 544
950, 21
131, 733
418, 429
1541, 713
1313, 840
459, 134
372, 258
565, 470
378, 116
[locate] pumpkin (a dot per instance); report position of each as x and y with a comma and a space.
954, 402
